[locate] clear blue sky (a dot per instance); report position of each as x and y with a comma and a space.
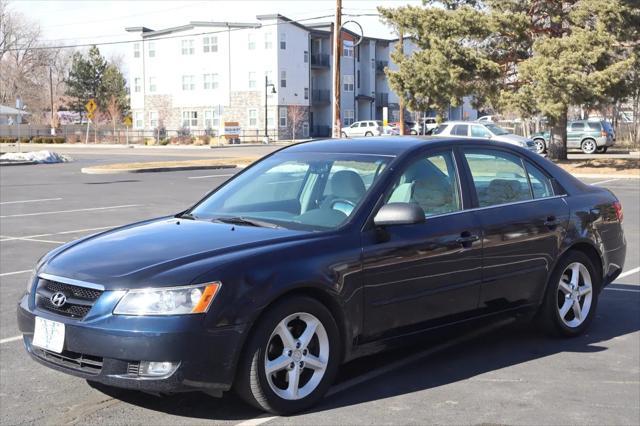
76, 21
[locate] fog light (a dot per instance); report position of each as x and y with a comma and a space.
157, 368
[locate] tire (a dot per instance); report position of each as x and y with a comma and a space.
344, 135
368, 134
588, 146
273, 393
541, 146
602, 149
560, 293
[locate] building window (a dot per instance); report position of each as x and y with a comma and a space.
347, 83
153, 119
137, 87
152, 85
253, 118
306, 93
252, 80
305, 129
212, 119
136, 50
283, 41
251, 39
283, 78
283, 116
152, 49
188, 82
349, 117
210, 81
306, 56
358, 79
347, 49
188, 47
210, 44
138, 120
189, 118
268, 43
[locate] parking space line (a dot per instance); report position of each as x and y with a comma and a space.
622, 289
31, 201
4, 238
74, 231
604, 181
257, 421
6, 274
209, 176
124, 206
629, 272
10, 339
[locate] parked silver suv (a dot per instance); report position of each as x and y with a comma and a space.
487, 130
363, 128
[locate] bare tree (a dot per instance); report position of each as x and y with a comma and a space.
297, 114
114, 111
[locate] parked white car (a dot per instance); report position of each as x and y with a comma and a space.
486, 130
363, 128
424, 126
485, 119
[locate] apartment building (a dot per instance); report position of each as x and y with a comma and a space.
199, 75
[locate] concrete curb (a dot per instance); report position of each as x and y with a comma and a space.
603, 176
17, 163
99, 171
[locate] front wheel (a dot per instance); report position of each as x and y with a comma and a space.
572, 296
368, 134
541, 148
291, 357
588, 146
344, 135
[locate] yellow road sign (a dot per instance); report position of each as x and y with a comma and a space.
90, 115
127, 121
91, 106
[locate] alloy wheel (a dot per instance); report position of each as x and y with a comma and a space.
297, 356
539, 146
589, 146
574, 296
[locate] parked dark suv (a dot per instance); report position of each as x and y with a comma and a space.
586, 135
320, 253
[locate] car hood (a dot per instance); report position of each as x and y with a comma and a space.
161, 252
510, 137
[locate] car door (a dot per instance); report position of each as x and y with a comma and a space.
523, 223
421, 275
479, 131
460, 130
575, 132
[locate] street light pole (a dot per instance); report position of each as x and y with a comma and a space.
266, 108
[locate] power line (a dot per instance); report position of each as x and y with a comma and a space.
229, 29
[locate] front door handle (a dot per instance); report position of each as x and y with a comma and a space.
551, 221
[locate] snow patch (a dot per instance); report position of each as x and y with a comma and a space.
36, 156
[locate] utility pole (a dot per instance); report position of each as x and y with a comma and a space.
337, 53
400, 98
53, 122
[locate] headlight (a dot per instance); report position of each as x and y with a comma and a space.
32, 277
193, 299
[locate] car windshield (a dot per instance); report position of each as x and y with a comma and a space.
305, 191
496, 130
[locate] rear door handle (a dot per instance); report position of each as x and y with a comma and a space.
469, 239
551, 221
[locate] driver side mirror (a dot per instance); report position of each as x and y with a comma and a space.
399, 214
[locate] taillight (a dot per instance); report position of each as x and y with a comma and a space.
603, 133
619, 213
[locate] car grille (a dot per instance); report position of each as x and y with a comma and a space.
80, 362
79, 299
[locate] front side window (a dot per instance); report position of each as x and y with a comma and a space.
430, 182
460, 130
498, 177
495, 129
577, 127
480, 132
305, 191
187, 47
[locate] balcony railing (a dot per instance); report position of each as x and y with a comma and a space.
380, 66
320, 96
382, 99
320, 60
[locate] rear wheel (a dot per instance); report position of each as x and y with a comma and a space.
588, 146
572, 296
368, 134
291, 357
541, 148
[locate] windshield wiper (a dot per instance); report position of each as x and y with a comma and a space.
187, 216
239, 220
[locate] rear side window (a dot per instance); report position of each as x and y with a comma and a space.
498, 177
460, 130
440, 129
541, 185
594, 126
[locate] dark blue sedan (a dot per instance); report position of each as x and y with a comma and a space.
320, 253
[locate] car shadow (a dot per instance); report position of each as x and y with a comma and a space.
618, 315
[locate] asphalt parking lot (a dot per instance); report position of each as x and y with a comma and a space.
510, 375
